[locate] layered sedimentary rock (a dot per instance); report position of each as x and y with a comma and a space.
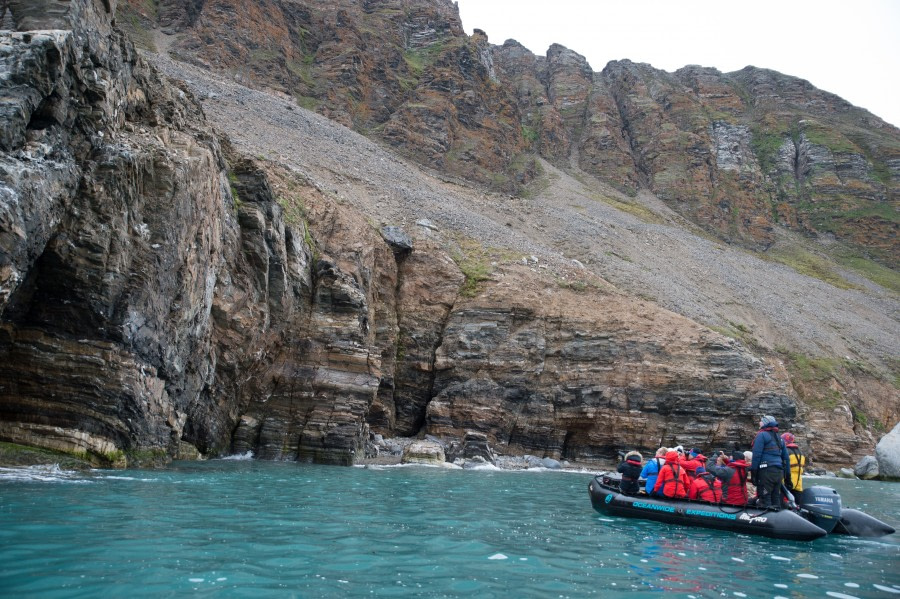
161, 295
573, 374
153, 295
103, 313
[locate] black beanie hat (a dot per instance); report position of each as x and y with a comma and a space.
737, 455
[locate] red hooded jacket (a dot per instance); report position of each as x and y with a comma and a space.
706, 487
672, 479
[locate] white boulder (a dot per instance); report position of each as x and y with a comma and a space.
887, 452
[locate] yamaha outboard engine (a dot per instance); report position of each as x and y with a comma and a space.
821, 506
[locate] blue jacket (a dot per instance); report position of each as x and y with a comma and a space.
651, 471
769, 449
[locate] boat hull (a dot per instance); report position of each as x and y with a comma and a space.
860, 524
781, 524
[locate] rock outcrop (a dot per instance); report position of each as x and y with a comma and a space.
866, 468
739, 153
583, 374
887, 453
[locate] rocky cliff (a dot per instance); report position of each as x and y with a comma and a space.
167, 292
741, 154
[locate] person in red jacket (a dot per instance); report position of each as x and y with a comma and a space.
733, 474
706, 487
672, 480
694, 463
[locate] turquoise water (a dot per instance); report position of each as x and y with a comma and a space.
262, 529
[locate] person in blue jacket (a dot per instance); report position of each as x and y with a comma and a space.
651, 469
770, 464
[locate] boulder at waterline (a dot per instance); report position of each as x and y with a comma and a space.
887, 452
423, 452
866, 468
846, 473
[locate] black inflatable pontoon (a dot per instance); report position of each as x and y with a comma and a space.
819, 514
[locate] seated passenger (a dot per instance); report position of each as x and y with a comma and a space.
672, 480
733, 474
706, 487
693, 463
651, 469
631, 472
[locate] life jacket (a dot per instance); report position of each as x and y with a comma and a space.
734, 491
672, 480
706, 487
798, 464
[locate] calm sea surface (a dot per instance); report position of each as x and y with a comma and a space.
260, 529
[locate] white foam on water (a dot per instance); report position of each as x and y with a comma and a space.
44, 473
836, 555
811, 576
239, 457
701, 568
221, 579
851, 585
780, 559
894, 591
195, 580
739, 594
682, 554
606, 519
484, 466
737, 559
779, 597
498, 556
840, 595
780, 586
523, 559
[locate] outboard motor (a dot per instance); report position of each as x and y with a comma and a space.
821, 506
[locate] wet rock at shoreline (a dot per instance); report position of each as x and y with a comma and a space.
866, 468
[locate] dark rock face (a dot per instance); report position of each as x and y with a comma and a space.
152, 295
104, 318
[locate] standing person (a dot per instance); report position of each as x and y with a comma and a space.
751, 487
630, 468
797, 461
771, 465
733, 474
651, 469
672, 480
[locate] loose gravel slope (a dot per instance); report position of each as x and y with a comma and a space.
639, 245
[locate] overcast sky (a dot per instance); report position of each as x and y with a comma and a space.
849, 47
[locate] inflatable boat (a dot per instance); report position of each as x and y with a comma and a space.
819, 513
